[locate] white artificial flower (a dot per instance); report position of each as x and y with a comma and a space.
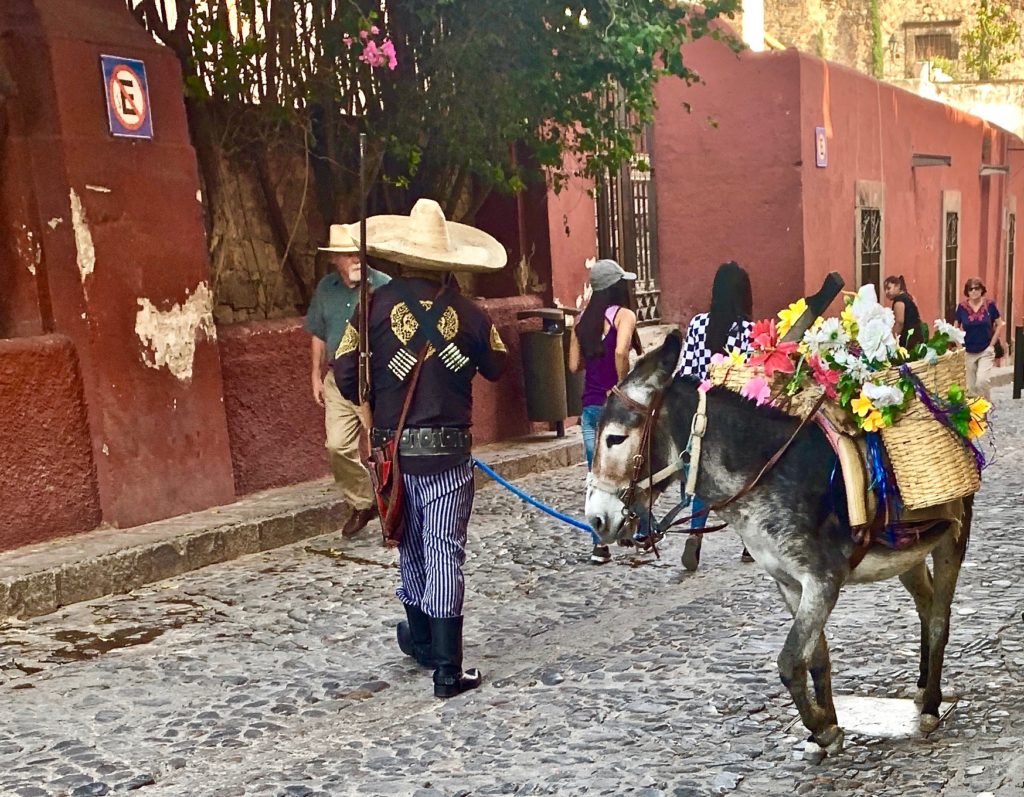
931, 356
955, 335
876, 340
852, 365
865, 305
826, 336
883, 395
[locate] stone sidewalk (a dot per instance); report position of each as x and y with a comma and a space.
39, 579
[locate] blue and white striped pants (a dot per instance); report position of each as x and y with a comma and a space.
433, 547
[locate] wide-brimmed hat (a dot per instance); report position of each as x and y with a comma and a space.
605, 273
426, 240
340, 240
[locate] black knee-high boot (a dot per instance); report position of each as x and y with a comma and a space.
414, 636
446, 642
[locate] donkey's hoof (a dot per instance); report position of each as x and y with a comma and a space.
919, 696
928, 723
831, 739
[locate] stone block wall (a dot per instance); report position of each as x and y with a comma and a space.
840, 30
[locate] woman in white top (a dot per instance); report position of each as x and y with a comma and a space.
726, 326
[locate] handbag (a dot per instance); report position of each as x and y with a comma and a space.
386, 474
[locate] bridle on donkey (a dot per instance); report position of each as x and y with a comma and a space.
689, 460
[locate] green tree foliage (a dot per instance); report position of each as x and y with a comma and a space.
993, 41
568, 81
877, 53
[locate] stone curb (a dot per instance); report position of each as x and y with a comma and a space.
40, 579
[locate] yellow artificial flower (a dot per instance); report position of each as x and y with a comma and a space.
736, 357
978, 423
862, 405
789, 316
873, 422
849, 322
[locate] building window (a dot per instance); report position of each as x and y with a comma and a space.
930, 46
1011, 254
950, 261
869, 265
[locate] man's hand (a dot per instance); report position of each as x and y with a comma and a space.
318, 389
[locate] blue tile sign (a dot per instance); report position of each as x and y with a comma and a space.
128, 108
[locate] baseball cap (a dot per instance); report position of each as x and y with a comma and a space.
606, 273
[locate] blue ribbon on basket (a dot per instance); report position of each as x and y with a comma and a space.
883, 482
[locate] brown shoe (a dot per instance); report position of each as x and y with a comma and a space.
357, 521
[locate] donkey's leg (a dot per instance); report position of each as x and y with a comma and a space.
821, 676
918, 581
811, 608
947, 557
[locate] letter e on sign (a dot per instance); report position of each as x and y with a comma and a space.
127, 92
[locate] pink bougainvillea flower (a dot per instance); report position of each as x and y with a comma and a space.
372, 55
347, 41
824, 376
718, 358
363, 34
757, 390
704, 386
387, 47
374, 30
775, 360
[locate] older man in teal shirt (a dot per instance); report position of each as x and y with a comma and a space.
333, 303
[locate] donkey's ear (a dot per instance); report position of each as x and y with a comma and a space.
668, 355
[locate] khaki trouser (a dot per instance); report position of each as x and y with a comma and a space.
979, 372
343, 427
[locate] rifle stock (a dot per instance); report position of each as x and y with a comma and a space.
364, 284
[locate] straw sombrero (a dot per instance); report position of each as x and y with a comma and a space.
425, 239
340, 240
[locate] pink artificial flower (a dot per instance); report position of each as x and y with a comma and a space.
824, 376
718, 358
374, 30
363, 34
776, 359
757, 390
388, 49
347, 41
704, 386
763, 336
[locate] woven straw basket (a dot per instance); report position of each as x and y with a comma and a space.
931, 463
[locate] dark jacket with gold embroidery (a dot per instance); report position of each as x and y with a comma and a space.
444, 395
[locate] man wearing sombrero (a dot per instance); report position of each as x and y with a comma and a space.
420, 316
333, 302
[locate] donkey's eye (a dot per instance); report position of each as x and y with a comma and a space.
613, 440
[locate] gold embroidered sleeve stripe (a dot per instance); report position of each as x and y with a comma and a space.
349, 342
497, 344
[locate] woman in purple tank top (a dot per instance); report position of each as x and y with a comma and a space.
600, 345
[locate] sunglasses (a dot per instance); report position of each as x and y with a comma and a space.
975, 288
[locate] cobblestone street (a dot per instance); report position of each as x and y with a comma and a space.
278, 674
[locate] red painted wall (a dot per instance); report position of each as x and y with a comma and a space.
49, 485
159, 442
727, 177
277, 431
873, 131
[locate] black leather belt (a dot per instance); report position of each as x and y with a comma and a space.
427, 441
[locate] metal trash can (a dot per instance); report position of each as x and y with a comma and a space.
545, 369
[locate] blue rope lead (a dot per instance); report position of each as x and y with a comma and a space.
531, 500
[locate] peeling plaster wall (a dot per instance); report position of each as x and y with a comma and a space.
86, 252
46, 466
169, 336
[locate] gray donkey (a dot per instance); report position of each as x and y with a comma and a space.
793, 521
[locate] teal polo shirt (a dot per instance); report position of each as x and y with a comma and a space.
332, 307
